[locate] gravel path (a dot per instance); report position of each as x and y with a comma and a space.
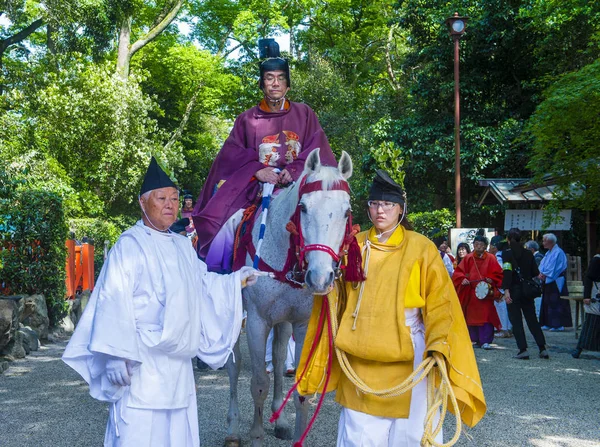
538, 403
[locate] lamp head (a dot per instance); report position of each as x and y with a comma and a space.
456, 25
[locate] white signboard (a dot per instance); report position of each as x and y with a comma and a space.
458, 235
534, 220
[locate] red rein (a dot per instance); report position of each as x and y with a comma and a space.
323, 316
354, 272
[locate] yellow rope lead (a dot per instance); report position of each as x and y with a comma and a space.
436, 400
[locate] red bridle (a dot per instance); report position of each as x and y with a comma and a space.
296, 275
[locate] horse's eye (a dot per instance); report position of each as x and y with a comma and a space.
348, 212
303, 207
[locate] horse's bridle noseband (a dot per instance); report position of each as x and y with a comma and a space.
298, 272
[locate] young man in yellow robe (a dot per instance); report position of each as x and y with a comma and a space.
405, 311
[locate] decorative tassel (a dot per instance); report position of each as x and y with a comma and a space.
291, 227
354, 268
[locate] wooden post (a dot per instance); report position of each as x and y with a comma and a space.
457, 134
87, 255
70, 268
590, 228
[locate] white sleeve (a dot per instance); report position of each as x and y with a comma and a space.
221, 314
107, 326
448, 264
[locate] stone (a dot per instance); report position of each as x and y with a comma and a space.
9, 321
31, 340
79, 306
15, 347
3, 365
67, 324
35, 315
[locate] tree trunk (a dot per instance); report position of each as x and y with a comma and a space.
50, 39
123, 56
126, 51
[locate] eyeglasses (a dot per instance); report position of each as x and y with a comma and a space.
385, 206
269, 79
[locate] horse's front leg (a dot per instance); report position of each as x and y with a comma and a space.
283, 331
233, 415
257, 331
300, 402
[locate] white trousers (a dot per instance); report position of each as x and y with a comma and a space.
291, 351
357, 429
134, 427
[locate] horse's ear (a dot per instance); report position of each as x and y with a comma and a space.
313, 162
345, 165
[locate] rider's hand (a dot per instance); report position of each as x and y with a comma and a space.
465, 282
587, 301
248, 276
488, 280
285, 177
118, 371
266, 175
507, 297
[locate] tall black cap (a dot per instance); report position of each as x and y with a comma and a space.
155, 178
268, 51
386, 189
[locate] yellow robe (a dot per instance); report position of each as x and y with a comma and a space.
405, 272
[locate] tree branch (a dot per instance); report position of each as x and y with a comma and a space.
186, 117
20, 36
155, 31
388, 58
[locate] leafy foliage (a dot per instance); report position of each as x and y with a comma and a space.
565, 130
33, 253
433, 223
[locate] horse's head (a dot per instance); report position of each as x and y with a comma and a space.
324, 213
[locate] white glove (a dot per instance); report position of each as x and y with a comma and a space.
118, 371
249, 275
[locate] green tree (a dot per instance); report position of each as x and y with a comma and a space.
565, 131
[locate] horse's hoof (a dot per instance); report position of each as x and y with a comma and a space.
232, 441
283, 433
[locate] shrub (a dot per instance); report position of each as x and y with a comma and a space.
32, 238
433, 223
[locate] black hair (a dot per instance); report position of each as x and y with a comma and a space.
514, 234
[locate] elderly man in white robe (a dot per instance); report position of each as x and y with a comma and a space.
154, 308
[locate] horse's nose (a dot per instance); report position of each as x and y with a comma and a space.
319, 281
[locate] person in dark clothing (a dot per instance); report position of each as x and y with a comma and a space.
589, 338
519, 265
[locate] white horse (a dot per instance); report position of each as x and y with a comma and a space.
274, 304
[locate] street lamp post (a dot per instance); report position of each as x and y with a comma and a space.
456, 26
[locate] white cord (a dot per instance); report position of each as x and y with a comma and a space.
149, 221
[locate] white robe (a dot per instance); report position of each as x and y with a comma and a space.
156, 306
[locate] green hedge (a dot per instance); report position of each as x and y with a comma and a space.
32, 235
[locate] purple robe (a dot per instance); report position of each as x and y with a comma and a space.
251, 146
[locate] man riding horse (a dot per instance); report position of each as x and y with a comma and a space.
269, 143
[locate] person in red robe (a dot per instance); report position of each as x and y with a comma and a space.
480, 313
269, 143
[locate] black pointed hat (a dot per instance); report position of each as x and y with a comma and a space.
155, 178
386, 189
268, 49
